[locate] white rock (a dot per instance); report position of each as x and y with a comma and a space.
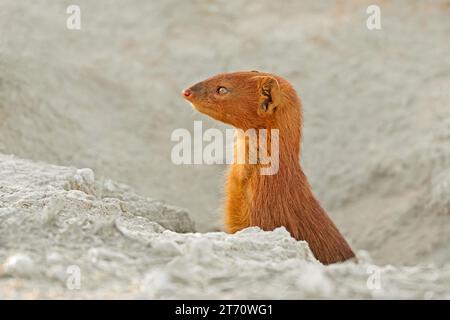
19, 265
87, 174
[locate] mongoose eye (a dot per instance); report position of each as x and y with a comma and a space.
222, 90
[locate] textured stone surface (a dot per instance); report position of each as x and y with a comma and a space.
57, 221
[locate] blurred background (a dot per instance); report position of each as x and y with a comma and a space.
376, 102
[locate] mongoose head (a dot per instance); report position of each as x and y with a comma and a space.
244, 100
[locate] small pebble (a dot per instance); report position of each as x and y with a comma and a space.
87, 175
19, 265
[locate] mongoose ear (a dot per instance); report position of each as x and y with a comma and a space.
269, 94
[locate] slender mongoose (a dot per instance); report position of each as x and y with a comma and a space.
256, 100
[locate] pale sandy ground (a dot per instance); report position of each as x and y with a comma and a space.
107, 97
126, 246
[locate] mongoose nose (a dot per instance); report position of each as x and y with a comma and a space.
187, 92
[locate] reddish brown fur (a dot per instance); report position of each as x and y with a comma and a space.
261, 100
